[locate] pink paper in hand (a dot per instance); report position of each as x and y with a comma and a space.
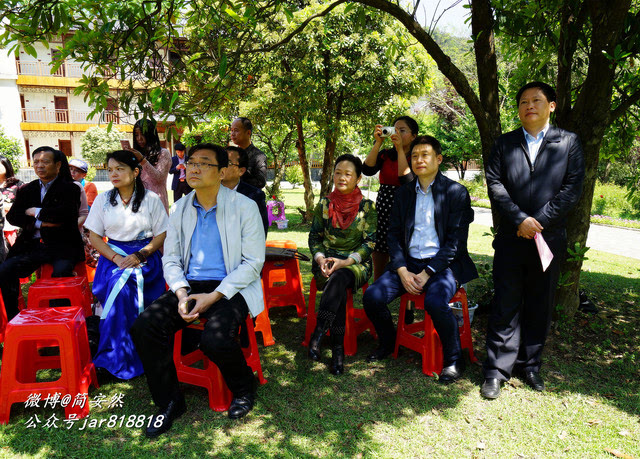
543, 250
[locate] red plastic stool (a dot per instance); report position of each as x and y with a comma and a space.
429, 345
209, 376
75, 289
3, 319
21, 303
282, 281
357, 321
263, 324
21, 360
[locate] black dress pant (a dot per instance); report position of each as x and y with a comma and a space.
182, 189
22, 265
153, 333
438, 291
524, 298
333, 303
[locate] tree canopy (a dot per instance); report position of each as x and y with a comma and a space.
588, 48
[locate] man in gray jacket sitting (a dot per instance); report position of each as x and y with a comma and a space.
213, 255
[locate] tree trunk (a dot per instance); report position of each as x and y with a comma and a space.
590, 124
327, 163
306, 172
278, 174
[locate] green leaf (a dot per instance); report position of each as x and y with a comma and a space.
174, 97
222, 69
30, 50
235, 15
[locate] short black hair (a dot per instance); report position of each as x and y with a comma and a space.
243, 156
179, 146
427, 140
221, 154
44, 149
357, 162
546, 89
246, 123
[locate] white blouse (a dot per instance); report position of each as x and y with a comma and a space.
122, 224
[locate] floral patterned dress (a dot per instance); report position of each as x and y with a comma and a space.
359, 237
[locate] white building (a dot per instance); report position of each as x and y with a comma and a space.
40, 108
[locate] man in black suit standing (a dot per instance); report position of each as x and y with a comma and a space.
47, 211
427, 240
534, 176
179, 183
256, 175
238, 160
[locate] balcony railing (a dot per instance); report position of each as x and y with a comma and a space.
43, 115
67, 69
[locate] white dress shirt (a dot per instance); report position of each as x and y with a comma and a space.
424, 240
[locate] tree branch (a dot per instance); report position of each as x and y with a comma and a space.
625, 105
297, 30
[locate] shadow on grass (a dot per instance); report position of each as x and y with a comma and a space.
305, 411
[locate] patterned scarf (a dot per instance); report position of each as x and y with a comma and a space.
343, 208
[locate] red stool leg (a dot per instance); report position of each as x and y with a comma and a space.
251, 353
263, 325
311, 313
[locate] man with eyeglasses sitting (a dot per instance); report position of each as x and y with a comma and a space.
214, 252
47, 211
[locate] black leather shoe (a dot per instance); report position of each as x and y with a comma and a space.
337, 360
240, 406
380, 353
163, 420
314, 344
491, 388
533, 380
452, 372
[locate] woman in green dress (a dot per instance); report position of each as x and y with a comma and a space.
341, 239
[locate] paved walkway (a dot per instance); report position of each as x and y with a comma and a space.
610, 239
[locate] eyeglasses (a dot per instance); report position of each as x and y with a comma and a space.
234, 164
201, 166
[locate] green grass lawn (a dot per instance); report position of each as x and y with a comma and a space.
390, 409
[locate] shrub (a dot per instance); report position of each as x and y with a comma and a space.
97, 142
11, 148
294, 176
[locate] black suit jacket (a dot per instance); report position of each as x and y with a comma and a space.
452, 213
60, 205
175, 172
545, 189
259, 197
256, 174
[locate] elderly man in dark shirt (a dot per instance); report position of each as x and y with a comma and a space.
256, 174
47, 211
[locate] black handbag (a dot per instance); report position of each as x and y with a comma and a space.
281, 253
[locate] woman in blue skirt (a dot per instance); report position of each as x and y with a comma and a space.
129, 273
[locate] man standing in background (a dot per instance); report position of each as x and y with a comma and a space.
179, 184
256, 174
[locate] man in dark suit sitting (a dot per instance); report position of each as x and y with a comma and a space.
47, 211
238, 162
427, 240
179, 183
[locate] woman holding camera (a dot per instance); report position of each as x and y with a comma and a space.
341, 239
129, 273
394, 171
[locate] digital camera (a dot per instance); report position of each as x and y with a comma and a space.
387, 131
